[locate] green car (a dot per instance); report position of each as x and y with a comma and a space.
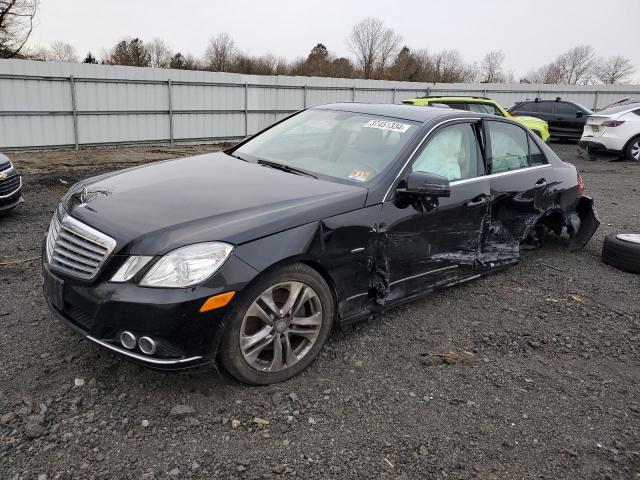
483, 105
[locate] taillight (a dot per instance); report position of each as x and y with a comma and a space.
580, 185
612, 123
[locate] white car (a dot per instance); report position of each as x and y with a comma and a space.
615, 129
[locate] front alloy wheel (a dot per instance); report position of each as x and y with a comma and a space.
281, 326
278, 326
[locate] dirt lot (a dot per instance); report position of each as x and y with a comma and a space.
544, 382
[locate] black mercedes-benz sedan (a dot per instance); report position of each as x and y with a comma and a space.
250, 256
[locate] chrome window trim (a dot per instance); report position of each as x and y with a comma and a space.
465, 180
15, 191
457, 119
494, 175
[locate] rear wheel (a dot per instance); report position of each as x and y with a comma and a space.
632, 150
278, 327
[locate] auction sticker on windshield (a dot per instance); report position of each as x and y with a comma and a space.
386, 125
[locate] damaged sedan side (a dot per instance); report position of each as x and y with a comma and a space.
330, 216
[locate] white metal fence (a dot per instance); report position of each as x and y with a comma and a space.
50, 104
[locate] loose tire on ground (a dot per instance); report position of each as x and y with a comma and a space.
622, 253
293, 335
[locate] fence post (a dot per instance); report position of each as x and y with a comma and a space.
171, 141
246, 109
395, 90
74, 110
595, 101
304, 101
353, 94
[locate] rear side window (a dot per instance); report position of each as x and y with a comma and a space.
543, 107
484, 108
509, 147
566, 109
522, 107
451, 152
457, 105
536, 157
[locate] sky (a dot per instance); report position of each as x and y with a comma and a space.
530, 33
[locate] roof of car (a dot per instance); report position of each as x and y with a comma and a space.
407, 112
451, 98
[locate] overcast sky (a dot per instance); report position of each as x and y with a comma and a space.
530, 33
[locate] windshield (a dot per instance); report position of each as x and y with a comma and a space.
350, 146
586, 109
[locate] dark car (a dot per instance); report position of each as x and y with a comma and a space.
328, 217
566, 119
10, 186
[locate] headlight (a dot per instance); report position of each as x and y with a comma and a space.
187, 266
129, 268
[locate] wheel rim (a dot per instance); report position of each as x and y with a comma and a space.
281, 326
635, 150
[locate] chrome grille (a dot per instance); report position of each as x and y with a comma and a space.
10, 185
75, 248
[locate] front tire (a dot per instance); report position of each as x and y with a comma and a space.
278, 326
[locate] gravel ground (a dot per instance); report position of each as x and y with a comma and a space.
530, 373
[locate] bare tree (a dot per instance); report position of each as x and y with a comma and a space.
129, 52
220, 53
575, 66
16, 25
491, 67
159, 53
614, 70
449, 67
374, 46
62, 52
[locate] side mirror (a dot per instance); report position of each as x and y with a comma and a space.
579, 114
426, 184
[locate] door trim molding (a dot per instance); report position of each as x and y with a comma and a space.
422, 274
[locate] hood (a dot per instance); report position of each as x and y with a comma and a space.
153, 209
527, 119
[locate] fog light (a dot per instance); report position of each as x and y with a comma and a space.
128, 340
147, 345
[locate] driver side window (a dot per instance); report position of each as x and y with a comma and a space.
451, 152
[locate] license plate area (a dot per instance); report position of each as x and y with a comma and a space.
54, 290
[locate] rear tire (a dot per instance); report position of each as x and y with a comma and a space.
622, 254
278, 326
632, 150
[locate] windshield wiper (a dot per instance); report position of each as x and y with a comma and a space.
238, 157
285, 168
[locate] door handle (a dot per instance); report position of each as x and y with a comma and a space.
478, 201
541, 183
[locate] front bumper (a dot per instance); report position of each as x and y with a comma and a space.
100, 311
12, 199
